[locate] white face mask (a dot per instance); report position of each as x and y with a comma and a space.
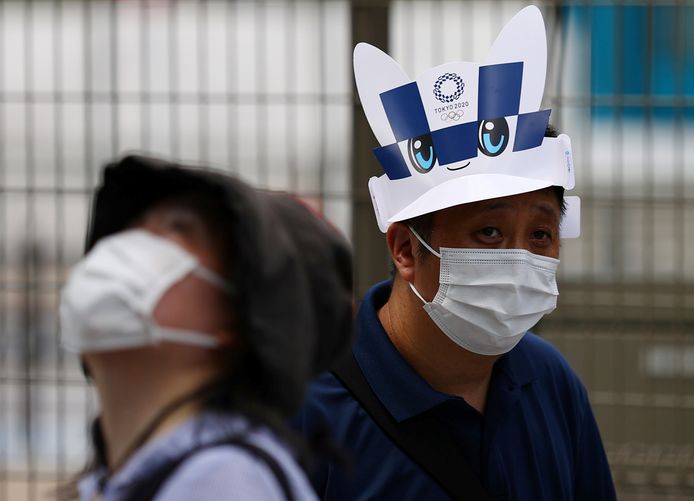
489, 298
109, 297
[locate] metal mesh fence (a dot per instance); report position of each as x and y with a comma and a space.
264, 89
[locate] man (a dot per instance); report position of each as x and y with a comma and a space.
447, 395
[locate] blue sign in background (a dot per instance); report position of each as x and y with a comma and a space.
642, 59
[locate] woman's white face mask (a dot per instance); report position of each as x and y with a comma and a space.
109, 298
489, 298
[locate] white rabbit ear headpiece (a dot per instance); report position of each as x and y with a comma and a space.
464, 132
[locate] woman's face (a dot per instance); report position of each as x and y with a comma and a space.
192, 303
169, 369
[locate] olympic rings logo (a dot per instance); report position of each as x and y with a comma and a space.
452, 115
448, 98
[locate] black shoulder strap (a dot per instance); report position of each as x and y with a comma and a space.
422, 438
151, 486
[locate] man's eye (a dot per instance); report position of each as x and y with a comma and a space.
542, 235
491, 232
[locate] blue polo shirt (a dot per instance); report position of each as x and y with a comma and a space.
537, 440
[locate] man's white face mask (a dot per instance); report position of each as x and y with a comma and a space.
489, 298
109, 298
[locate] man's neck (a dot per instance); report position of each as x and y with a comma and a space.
447, 367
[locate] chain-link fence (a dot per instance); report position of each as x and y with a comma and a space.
264, 89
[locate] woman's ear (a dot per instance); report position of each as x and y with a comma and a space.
402, 247
229, 338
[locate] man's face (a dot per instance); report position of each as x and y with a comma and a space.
527, 221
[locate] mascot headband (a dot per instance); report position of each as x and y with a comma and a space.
464, 132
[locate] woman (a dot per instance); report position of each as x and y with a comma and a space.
201, 310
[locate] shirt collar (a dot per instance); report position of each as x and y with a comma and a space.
517, 364
399, 388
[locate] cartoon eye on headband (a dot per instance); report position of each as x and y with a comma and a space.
493, 136
421, 153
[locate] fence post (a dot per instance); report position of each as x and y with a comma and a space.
369, 24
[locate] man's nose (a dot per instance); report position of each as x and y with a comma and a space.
518, 240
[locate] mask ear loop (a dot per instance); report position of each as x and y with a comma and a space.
426, 245
214, 279
184, 336
416, 292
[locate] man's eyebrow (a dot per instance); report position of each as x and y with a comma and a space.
497, 206
543, 207
546, 209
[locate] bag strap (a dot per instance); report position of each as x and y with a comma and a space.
422, 438
151, 486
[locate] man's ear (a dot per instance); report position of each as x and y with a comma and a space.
403, 247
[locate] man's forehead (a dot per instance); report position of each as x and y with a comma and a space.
544, 200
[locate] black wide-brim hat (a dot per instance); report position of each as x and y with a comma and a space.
293, 270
